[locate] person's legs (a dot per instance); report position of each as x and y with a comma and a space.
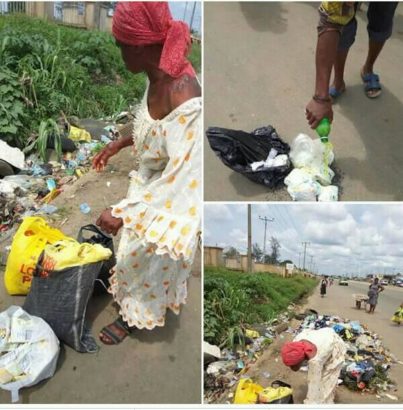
115, 332
380, 24
347, 39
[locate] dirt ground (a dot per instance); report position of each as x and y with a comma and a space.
259, 70
159, 366
339, 301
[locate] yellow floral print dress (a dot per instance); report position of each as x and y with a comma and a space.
161, 216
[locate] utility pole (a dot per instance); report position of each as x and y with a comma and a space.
193, 16
304, 244
249, 238
265, 219
186, 8
299, 260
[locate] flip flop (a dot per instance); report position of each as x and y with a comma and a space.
371, 81
113, 336
335, 93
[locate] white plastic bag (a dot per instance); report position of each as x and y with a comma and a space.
308, 153
301, 185
329, 193
29, 350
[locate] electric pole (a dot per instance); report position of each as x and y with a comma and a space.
249, 238
299, 260
193, 16
184, 14
304, 244
265, 219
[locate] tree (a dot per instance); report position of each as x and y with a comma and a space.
275, 246
257, 252
231, 252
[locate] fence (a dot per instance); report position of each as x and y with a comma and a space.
87, 15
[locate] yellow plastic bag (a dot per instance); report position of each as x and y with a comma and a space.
253, 334
247, 392
275, 395
78, 134
28, 243
68, 253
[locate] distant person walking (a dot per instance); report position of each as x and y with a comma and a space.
374, 289
323, 287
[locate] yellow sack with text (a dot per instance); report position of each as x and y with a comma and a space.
29, 241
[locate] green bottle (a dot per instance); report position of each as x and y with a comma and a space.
323, 129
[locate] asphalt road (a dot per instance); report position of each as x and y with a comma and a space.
259, 70
339, 301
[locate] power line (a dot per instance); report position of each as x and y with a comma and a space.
265, 219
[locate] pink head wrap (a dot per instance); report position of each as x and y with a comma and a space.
293, 353
145, 23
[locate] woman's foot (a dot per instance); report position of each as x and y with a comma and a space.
115, 332
337, 89
372, 87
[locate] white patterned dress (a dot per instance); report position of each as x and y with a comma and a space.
161, 216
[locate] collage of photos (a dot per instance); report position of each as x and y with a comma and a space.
201, 203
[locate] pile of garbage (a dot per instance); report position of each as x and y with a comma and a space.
28, 185
367, 362
311, 178
224, 368
263, 157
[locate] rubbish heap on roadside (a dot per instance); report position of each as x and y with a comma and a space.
225, 367
365, 369
263, 157
28, 185
367, 362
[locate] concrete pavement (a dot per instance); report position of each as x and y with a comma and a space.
259, 69
159, 366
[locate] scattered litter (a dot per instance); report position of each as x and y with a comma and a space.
85, 208
108, 184
47, 209
266, 375
391, 396
12, 156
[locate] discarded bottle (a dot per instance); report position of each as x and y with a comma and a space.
85, 208
323, 129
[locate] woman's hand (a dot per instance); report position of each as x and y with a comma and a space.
109, 223
101, 159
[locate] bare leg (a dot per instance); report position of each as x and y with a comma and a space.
339, 65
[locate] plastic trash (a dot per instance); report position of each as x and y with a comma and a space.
47, 209
29, 350
302, 185
13, 156
253, 334
105, 139
239, 149
329, 193
78, 134
51, 184
247, 392
278, 393
85, 208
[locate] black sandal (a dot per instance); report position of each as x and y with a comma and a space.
112, 335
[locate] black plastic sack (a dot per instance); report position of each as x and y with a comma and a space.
61, 298
98, 237
238, 149
287, 399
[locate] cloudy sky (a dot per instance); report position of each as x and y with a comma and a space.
344, 239
181, 11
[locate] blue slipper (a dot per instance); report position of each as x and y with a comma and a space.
371, 81
335, 93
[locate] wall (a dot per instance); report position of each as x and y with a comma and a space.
213, 256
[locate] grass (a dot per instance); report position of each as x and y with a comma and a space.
47, 69
232, 300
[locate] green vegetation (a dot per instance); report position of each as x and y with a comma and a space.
234, 299
47, 69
